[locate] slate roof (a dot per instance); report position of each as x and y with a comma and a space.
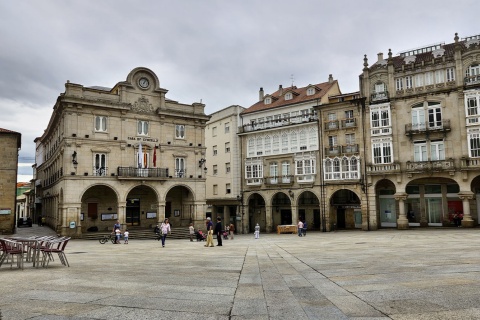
299, 95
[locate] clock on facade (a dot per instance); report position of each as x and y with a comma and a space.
143, 82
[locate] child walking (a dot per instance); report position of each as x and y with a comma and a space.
125, 236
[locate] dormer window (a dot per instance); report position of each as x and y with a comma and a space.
268, 100
288, 96
310, 91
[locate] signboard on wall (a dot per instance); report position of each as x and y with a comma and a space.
5, 211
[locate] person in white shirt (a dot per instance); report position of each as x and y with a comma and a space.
164, 229
300, 227
191, 231
125, 236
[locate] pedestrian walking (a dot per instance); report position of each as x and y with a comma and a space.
191, 231
219, 231
125, 236
231, 229
300, 227
209, 233
304, 229
165, 229
117, 231
257, 231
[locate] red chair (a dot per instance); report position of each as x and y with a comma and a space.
55, 246
11, 248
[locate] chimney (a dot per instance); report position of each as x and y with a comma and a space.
330, 78
380, 56
260, 94
280, 89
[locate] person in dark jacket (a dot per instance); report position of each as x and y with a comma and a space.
219, 231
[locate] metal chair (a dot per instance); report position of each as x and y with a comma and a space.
55, 246
11, 248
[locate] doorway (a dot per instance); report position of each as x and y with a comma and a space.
286, 216
340, 218
132, 214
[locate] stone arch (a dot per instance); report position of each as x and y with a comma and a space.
256, 210
345, 206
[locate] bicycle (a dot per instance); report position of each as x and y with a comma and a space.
106, 238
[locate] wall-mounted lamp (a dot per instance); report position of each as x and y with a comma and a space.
290, 193
201, 162
74, 159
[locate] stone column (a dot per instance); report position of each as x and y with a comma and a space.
268, 219
294, 215
402, 221
122, 214
466, 196
160, 212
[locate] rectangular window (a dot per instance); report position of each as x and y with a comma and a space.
382, 152
474, 145
215, 151
227, 167
437, 150
399, 84
332, 141
228, 188
450, 74
472, 106
227, 127
428, 78
305, 167
419, 80
285, 172
101, 123
434, 116
380, 121
420, 151
418, 118
215, 189
350, 138
227, 147
180, 131
214, 131
180, 170
100, 164
439, 78
408, 82
142, 128
215, 169
273, 172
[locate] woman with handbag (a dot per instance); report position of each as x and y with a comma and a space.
165, 229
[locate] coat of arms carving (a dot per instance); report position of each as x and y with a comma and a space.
142, 106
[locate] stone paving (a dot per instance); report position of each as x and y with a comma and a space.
385, 274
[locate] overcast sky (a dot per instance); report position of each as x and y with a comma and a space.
217, 51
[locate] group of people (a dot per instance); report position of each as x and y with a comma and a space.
302, 228
218, 230
117, 230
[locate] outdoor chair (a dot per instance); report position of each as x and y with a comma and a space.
55, 246
11, 249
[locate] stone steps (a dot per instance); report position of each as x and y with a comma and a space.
138, 233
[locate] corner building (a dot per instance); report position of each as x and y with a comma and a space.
125, 153
280, 156
423, 140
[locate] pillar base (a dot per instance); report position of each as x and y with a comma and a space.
467, 223
402, 224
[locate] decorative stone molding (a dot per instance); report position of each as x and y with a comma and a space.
142, 106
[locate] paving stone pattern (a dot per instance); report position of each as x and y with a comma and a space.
386, 274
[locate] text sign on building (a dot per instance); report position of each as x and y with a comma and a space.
5, 211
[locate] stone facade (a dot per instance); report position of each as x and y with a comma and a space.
10, 143
125, 153
423, 135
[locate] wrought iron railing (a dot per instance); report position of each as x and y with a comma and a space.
145, 172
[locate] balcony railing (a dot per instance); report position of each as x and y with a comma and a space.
341, 150
388, 168
471, 80
331, 125
254, 181
279, 180
349, 123
132, 172
379, 96
430, 166
470, 163
433, 126
306, 178
277, 123
102, 171
180, 173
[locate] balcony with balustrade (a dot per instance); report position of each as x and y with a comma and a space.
379, 96
428, 167
334, 151
426, 128
133, 173
383, 168
472, 81
288, 121
284, 180
469, 163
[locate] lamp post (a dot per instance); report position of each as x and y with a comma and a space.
240, 199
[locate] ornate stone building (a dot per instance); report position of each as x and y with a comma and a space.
280, 156
10, 144
423, 135
125, 153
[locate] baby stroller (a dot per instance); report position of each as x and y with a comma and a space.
200, 236
225, 235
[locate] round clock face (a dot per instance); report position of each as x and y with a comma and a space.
143, 82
